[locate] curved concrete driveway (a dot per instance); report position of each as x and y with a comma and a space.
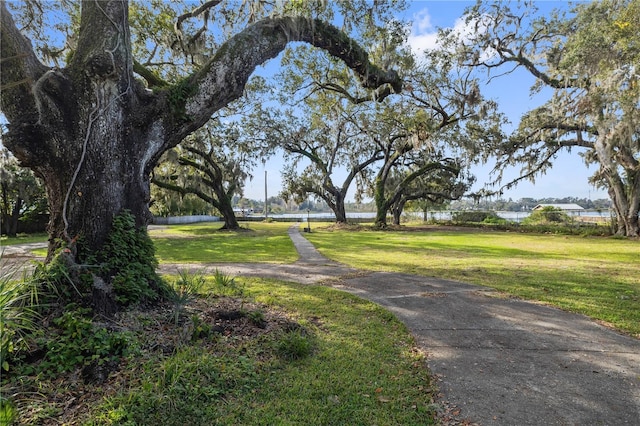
498, 361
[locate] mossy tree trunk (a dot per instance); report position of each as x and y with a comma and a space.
382, 206
396, 211
624, 193
339, 209
93, 132
383, 201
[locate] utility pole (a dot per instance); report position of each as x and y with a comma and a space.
266, 208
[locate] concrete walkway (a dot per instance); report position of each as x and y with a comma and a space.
509, 362
21, 250
311, 267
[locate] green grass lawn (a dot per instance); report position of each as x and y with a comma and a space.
24, 239
359, 367
595, 276
260, 242
256, 242
359, 364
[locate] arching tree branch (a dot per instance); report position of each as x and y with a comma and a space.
151, 78
20, 70
223, 78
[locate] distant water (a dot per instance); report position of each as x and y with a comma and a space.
432, 215
302, 216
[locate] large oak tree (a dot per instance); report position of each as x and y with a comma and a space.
93, 130
209, 164
323, 150
589, 60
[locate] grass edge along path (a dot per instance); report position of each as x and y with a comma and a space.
593, 276
256, 242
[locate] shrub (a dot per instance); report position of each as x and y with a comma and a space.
547, 215
76, 341
475, 217
60, 284
495, 220
128, 256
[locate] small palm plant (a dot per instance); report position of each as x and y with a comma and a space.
185, 289
18, 300
225, 285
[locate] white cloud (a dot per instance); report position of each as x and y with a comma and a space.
422, 21
420, 43
424, 36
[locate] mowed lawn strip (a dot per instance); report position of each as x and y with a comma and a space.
364, 369
595, 276
258, 242
23, 239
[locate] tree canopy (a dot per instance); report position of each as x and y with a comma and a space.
589, 59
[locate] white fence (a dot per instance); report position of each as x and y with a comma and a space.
177, 220
302, 216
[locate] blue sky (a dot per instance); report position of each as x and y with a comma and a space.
569, 175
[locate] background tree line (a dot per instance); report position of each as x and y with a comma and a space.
418, 145
526, 204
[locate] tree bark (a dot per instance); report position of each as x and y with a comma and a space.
626, 213
339, 209
333, 196
15, 217
10, 216
230, 220
82, 133
339, 195
624, 193
397, 210
382, 207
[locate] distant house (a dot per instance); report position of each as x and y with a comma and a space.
563, 207
242, 212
